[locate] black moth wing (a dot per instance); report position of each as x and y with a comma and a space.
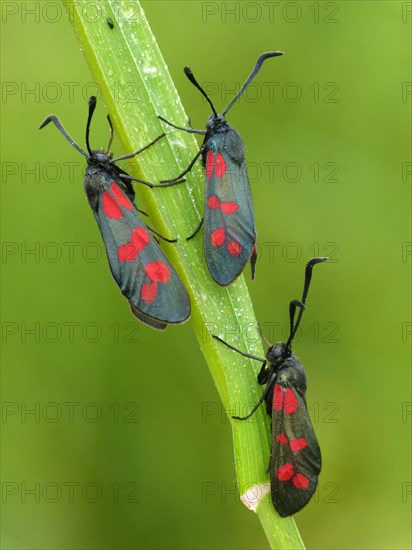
145, 277
147, 320
295, 459
229, 226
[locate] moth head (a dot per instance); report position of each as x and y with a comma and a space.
216, 122
101, 156
277, 353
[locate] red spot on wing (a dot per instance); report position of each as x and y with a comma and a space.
140, 237
234, 248
282, 439
129, 251
158, 272
300, 481
298, 443
225, 207
291, 403
285, 472
120, 196
210, 164
220, 165
277, 398
218, 236
110, 207
213, 202
229, 207
148, 292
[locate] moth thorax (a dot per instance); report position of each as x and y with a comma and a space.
102, 156
293, 373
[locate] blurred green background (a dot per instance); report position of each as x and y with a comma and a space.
126, 445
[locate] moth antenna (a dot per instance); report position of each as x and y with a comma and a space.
111, 134
191, 77
92, 107
302, 303
252, 75
59, 126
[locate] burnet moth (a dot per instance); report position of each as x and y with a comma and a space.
229, 233
145, 277
295, 460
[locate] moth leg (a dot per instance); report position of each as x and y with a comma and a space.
262, 399
131, 155
196, 231
192, 162
241, 352
268, 387
189, 130
175, 181
160, 235
142, 212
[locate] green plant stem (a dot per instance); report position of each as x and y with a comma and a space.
136, 87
